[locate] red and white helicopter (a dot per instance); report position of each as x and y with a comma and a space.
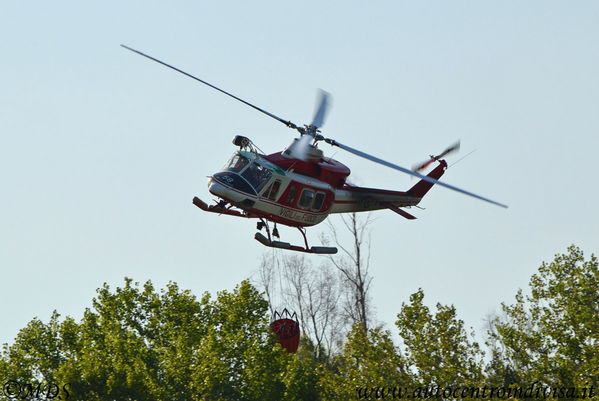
299, 187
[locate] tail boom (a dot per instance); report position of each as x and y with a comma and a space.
360, 199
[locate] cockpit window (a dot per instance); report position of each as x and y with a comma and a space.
237, 163
257, 176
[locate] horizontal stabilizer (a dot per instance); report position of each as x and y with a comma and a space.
399, 211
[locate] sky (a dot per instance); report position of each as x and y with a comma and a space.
102, 150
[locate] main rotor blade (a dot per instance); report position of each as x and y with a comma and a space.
286, 122
408, 171
321, 111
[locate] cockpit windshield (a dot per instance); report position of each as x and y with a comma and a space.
257, 176
237, 163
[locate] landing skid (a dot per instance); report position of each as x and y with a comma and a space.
221, 208
286, 245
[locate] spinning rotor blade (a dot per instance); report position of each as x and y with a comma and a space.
453, 148
321, 111
286, 122
421, 166
301, 147
407, 171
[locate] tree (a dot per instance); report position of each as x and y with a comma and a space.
303, 373
136, 343
369, 366
39, 353
354, 265
437, 347
552, 335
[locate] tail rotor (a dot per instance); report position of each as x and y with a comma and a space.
423, 165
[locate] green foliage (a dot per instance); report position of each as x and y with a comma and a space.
138, 344
303, 374
552, 335
38, 355
369, 360
438, 349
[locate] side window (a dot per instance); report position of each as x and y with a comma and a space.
305, 201
272, 190
318, 200
267, 190
291, 195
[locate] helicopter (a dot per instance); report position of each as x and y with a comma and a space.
300, 187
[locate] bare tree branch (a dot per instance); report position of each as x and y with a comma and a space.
354, 266
313, 292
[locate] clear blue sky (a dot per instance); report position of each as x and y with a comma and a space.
103, 150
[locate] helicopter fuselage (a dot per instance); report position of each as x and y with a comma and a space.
301, 193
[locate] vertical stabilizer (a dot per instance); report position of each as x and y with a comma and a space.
422, 187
